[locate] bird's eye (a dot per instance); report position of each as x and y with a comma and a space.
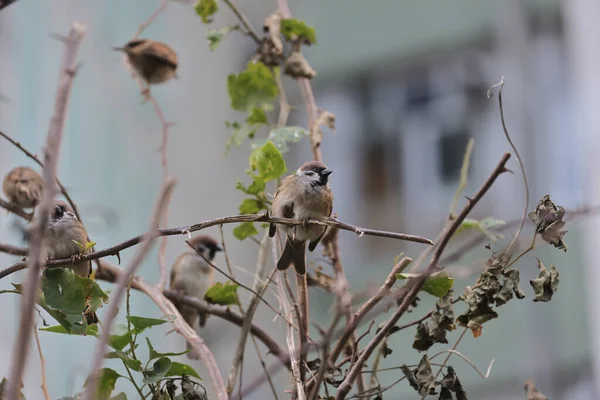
58, 212
310, 173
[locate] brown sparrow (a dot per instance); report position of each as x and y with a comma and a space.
23, 187
192, 276
304, 195
155, 62
64, 229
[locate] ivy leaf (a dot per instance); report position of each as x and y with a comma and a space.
293, 29
548, 220
240, 133
421, 379
254, 87
482, 226
132, 363
153, 354
251, 206
106, 383
224, 294
120, 340
257, 186
546, 283
244, 230
206, 9
158, 371
287, 134
437, 284
141, 323
268, 161
257, 116
215, 36
92, 330
179, 369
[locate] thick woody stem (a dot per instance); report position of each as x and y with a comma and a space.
37, 251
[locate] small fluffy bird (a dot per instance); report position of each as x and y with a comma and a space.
23, 187
191, 275
304, 195
155, 62
64, 229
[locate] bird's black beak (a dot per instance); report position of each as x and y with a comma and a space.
118, 49
218, 248
326, 172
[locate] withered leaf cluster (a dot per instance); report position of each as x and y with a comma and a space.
548, 220
450, 384
496, 286
434, 330
546, 283
421, 378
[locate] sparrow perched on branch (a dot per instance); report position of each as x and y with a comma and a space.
192, 276
304, 195
67, 238
155, 62
23, 187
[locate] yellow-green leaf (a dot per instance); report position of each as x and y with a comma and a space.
294, 28
268, 162
206, 9
253, 87
437, 284
244, 230
224, 294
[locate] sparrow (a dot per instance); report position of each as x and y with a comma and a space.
23, 187
64, 230
154, 62
304, 195
192, 276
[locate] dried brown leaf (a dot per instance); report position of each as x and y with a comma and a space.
546, 283
548, 219
532, 392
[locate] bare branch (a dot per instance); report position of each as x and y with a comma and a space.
346, 385
115, 250
150, 20
123, 282
15, 251
42, 363
37, 251
249, 29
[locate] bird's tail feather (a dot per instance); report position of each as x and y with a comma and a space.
293, 254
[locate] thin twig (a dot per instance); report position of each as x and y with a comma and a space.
37, 251
15, 209
13, 250
462, 334
123, 282
115, 250
151, 19
42, 363
346, 385
464, 177
112, 273
452, 351
231, 278
324, 367
500, 85
249, 29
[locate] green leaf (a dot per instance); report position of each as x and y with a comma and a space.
141, 323
132, 363
119, 341
254, 87
483, 226
179, 369
222, 294
65, 296
215, 36
257, 116
251, 206
206, 9
244, 230
158, 371
257, 186
292, 28
268, 161
106, 383
89, 245
287, 134
437, 284
153, 354
92, 330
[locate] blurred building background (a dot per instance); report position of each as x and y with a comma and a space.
407, 81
